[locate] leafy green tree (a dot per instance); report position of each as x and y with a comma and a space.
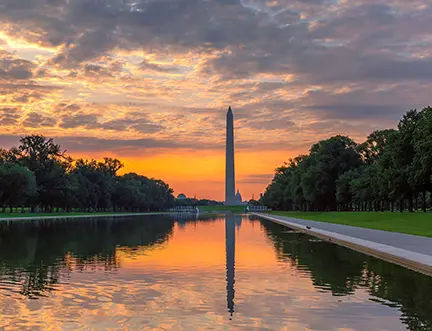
36, 150
136, 192
345, 190
17, 184
277, 195
374, 146
422, 163
330, 159
403, 155
96, 184
398, 158
9, 156
46, 160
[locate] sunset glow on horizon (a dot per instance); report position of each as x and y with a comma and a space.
149, 82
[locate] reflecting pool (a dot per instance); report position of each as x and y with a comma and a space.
226, 272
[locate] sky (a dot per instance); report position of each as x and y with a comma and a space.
149, 81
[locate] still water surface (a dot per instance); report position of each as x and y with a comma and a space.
214, 273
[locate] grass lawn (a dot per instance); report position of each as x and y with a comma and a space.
21, 215
417, 223
233, 209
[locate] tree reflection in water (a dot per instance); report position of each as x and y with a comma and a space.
36, 254
341, 271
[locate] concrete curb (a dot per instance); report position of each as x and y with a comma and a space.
412, 260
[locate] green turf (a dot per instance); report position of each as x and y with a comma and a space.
417, 223
21, 215
233, 209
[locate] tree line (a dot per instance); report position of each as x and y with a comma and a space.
193, 202
391, 170
39, 175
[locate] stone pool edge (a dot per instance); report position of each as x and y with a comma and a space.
408, 259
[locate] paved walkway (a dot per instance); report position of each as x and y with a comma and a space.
384, 244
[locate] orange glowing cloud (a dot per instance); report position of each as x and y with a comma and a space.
155, 94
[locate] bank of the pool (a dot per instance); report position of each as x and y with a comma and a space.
222, 209
417, 223
27, 217
410, 251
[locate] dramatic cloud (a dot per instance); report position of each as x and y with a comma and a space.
160, 74
9, 116
156, 67
35, 120
90, 121
13, 68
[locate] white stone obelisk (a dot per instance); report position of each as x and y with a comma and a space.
229, 166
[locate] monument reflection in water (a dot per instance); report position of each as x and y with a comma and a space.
231, 221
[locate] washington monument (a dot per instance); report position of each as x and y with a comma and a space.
230, 198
